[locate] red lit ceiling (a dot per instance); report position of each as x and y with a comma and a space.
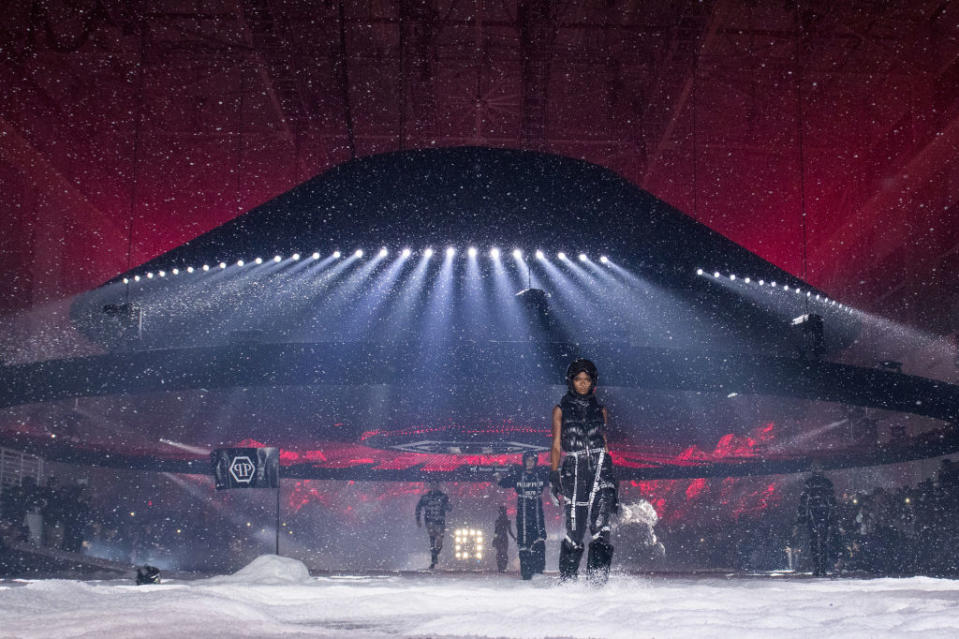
129, 127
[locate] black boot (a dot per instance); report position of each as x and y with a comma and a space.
569, 557
539, 557
598, 560
434, 554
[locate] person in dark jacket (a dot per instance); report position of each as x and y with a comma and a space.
529, 482
817, 512
433, 507
585, 481
502, 531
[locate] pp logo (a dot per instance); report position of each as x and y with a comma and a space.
242, 469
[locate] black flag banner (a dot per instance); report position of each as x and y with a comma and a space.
246, 467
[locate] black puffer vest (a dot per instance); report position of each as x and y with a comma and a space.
583, 423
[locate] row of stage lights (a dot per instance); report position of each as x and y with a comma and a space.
494, 253
785, 287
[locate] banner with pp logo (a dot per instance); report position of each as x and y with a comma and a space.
246, 467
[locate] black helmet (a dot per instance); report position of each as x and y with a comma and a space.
581, 365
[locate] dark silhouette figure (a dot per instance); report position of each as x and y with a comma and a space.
817, 510
503, 530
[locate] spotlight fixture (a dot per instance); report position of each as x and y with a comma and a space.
471, 251
384, 252
732, 277
890, 365
222, 265
161, 273
277, 258
716, 274
810, 336
136, 278
747, 280
406, 252
785, 287
337, 255
582, 257
762, 282
561, 255
773, 284
258, 260
539, 255
150, 275
176, 271
206, 267
126, 281
699, 271
603, 259
240, 262
358, 253
450, 252
428, 252
189, 269
494, 253
518, 254
296, 257
316, 256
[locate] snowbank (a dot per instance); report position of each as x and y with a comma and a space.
266, 570
481, 605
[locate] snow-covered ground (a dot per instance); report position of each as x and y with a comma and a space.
275, 597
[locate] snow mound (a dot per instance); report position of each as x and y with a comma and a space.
270, 570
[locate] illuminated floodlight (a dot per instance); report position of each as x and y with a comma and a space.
406, 252
582, 257
798, 292
762, 282
126, 281
518, 254
150, 275
384, 252
450, 252
222, 265
161, 273
315, 255
296, 257
773, 284
716, 274
336, 255
258, 260
176, 271
539, 255
428, 252
747, 280
358, 253
189, 269
471, 251
494, 253
561, 255
785, 287
277, 258
732, 277
603, 259
240, 262
809, 294
206, 267
136, 278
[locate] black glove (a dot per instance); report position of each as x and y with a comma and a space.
555, 486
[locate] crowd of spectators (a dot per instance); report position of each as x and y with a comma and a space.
49, 515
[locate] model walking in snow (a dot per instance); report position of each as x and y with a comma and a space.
433, 506
529, 482
585, 479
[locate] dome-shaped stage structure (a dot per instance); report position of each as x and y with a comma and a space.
412, 313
